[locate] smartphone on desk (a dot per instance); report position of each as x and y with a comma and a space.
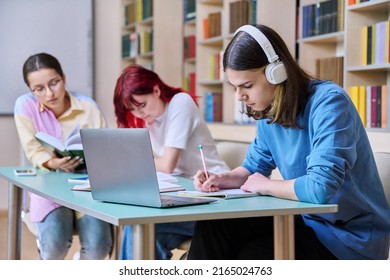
25, 171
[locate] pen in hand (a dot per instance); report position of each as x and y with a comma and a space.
204, 163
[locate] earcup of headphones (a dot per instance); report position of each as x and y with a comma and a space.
276, 73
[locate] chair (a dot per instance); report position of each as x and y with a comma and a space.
382, 160
233, 153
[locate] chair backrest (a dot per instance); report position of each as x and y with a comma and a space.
382, 160
233, 153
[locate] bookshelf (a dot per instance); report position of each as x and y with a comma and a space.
374, 73
321, 34
268, 12
137, 33
157, 23
189, 46
348, 43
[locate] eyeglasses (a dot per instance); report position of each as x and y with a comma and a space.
53, 85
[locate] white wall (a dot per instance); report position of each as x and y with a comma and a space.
107, 68
9, 153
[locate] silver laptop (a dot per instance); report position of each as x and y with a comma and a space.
121, 168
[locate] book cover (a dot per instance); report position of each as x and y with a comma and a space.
378, 106
373, 106
364, 44
72, 146
380, 35
368, 106
225, 194
373, 43
369, 45
362, 103
385, 106
354, 94
189, 10
206, 28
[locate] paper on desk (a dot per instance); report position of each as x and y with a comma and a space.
83, 187
166, 183
164, 177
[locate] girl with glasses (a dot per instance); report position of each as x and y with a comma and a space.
52, 109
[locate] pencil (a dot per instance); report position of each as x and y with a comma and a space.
204, 163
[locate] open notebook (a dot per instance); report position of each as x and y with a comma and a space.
226, 194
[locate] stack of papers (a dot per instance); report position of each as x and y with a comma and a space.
168, 183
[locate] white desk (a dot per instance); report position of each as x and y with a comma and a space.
54, 186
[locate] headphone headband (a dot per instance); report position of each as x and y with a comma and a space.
263, 41
275, 72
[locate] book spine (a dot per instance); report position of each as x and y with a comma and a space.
378, 106
368, 106
373, 106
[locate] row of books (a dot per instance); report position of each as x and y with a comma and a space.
212, 25
372, 103
138, 11
213, 106
130, 14
189, 83
189, 46
136, 43
353, 2
239, 14
322, 18
215, 66
144, 9
331, 69
189, 10
376, 43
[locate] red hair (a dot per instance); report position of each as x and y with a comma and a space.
136, 80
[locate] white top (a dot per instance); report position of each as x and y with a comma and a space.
181, 126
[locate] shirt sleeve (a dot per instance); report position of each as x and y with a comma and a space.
34, 151
259, 158
334, 133
182, 120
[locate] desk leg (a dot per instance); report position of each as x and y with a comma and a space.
144, 241
284, 248
14, 222
117, 239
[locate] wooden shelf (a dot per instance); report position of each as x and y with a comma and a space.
265, 12
349, 44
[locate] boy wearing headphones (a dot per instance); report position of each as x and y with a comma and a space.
312, 132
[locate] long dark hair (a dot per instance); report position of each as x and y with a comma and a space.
244, 53
41, 61
137, 80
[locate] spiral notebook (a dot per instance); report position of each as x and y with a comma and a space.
225, 194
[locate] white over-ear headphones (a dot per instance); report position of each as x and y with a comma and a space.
275, 72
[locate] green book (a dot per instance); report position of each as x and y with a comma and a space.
72, 146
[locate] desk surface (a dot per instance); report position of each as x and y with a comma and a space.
55, 186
